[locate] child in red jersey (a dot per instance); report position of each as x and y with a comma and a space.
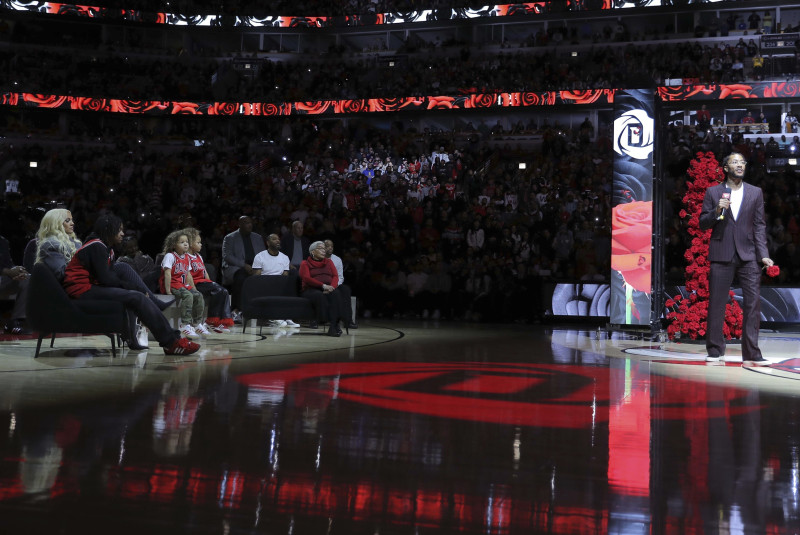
219, 309
176, 277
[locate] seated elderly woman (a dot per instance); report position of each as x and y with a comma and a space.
319, 282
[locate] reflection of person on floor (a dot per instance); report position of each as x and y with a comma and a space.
734, 457
734, 210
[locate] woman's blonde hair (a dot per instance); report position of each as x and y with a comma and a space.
172, 239
52, 227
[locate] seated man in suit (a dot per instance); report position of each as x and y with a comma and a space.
343, 288
239, 249
295, 245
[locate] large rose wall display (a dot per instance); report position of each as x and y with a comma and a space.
688, 314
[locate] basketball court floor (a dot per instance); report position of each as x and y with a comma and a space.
400, 428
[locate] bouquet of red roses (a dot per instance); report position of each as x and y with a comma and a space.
773, 271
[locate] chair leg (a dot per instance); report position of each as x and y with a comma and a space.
38, 345
113, 338
53, 340
244, 324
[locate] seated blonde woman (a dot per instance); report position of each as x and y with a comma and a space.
57, 243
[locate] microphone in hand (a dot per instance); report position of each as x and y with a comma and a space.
726, 194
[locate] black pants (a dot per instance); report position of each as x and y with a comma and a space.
328, 306
218, 306
236, 288
138, 304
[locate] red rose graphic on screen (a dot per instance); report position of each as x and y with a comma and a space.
631, 238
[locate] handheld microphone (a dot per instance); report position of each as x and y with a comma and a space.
726, 194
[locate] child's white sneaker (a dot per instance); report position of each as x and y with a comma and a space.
188, 331
201, 328
220, 328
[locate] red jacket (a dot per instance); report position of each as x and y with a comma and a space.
315, 273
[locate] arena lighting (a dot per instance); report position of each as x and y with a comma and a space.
792, 161
34, 164
574, 53
523, 165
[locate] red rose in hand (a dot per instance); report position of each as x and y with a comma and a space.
631, 239
773, 271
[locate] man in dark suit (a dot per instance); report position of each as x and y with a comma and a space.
734, 210
239, 248
295, 245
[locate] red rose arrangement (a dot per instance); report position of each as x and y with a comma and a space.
773, 271
688, 315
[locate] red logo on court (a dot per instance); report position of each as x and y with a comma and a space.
545, 395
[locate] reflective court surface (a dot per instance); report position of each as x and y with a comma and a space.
400, 428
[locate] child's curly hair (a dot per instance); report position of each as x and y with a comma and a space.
191, 233
172, 239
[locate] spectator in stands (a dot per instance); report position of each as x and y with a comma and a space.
348, 316
239, 249
13, 281
294, 244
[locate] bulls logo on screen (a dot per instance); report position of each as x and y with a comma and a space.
541, 395
633, 134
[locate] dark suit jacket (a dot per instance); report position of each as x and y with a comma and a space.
747, 235
287, 246
233, 253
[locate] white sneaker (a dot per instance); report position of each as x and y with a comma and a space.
277, 323
202, 328
141, 336
221, 329
290, 323
189, 332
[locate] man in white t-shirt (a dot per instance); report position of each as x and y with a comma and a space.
273, 262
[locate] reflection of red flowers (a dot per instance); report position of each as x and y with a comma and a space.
440, 102
44, 101
184, 108
509, 99
384, 104
270, 109
773, 271
582, 97
136, 106
313, 107
480, 101
223, 108
349, 106
88, 104
735, 91
782, 89
9, 99
688, 315
631, 239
